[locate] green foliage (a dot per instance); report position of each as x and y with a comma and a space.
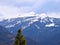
19, 40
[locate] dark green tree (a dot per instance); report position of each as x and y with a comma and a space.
19, 39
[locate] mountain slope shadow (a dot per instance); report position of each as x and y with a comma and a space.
6, 38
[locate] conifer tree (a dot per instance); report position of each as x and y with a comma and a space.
19, 40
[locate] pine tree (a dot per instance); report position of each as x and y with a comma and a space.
19, 40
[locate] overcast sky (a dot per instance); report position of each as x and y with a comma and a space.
15, 8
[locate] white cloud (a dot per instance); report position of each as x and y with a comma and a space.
39, 4
24, 1
56, 0
28, 5
27, 14
54, 14
13, 12
8, 11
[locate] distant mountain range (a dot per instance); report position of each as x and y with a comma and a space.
42, 31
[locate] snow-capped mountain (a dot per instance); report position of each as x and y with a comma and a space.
24, 22
27, 21
37, 28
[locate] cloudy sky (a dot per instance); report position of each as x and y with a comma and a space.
15, 8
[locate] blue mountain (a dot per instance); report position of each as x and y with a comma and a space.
44, 31
6, 38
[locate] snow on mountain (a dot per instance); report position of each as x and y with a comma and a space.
9, 26
37, 27
50, 25
12, 25
27, 19
43, 18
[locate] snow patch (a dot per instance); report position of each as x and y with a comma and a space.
9, 26
50, 25
37, 26
18, 22
43, 15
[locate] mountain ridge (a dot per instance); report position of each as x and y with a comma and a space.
40, 30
